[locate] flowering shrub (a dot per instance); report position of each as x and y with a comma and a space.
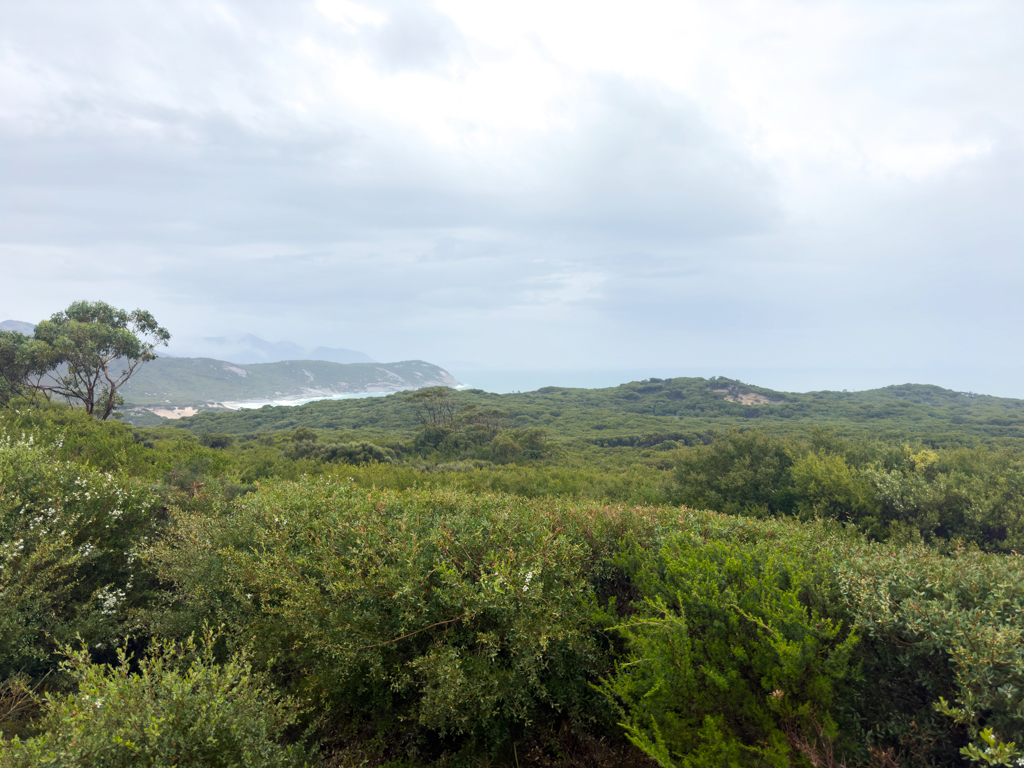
69, 554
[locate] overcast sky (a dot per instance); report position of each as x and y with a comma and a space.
802, 194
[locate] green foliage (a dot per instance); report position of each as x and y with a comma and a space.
70, 434
462, 616
939, 627
22, 361
644, 414
739, 472
343, 453
178, 708
387, 575
70, 540
825, 485
435, 407
738, 654
997, 752
86, 343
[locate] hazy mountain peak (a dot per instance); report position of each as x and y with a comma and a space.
17, 325
247, 349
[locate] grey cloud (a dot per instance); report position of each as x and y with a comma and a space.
169, 127
156, 163
417, 37
636, 167
645, 163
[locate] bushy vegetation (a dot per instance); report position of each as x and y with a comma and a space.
456, 615
741, 648
478, 591
177, 706
71, 542
645, 414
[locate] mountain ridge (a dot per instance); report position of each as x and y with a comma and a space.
18, 326
182, 385
248, 349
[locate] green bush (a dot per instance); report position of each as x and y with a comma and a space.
740, 472
179, 708
430, 614
342, 453
944, 649
738, 651
825, 485
71, 434
70, 541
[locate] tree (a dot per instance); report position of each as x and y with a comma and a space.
434, 407
23, 361
82, 349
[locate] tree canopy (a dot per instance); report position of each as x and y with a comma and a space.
83, 355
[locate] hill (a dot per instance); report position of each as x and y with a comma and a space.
17, 325
249, 349
177, 382
684, 410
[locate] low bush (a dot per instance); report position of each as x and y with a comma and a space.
432, 615
738, 653
178, 708
943, 650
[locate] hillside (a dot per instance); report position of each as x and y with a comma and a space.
684, 410
17, 325
198, 381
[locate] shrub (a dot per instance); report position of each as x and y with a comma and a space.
179, 708
738, 653
71, 434
69, 545
739, 472
944, 646
462, 616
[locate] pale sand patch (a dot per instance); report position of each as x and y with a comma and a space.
173, 413
746, 398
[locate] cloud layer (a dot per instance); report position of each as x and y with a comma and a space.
686, 186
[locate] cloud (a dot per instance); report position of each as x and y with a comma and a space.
418, 38
535, 184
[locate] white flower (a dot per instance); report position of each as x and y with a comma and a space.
109, 600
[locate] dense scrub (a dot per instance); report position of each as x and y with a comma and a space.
647, 413
844, 613
889, 488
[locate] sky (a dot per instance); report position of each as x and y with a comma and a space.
800, 194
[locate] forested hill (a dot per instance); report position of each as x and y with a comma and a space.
684, 410
186, 381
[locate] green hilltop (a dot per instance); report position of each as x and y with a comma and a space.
684, 410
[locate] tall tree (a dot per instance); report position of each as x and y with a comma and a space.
92, 349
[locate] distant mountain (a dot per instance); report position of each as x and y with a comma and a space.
248, 349
17, 325
175, 386
245, 350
